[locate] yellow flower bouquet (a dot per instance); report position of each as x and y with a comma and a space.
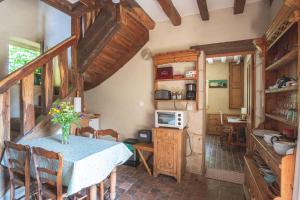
63, 114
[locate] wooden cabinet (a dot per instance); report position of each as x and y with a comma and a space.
169, 152
236, 85
278, 51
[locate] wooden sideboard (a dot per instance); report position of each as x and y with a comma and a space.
169, 152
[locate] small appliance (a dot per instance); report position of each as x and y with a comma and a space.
190, 91
162, 95
164, 73
145, 136
171, 119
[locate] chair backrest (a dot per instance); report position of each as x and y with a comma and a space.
48, 168
18, 161
86, 132
108, 132
221, 118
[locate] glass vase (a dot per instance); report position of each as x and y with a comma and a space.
65, 133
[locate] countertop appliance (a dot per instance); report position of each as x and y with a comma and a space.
171, 119
191, 91
163, 95
145, 136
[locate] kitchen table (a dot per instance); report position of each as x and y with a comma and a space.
87, 161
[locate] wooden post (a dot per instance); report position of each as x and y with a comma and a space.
27, 104
63, 67
47, 86
4, 119
77, 77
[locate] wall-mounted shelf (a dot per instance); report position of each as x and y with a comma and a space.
281, 119
178, 79
287, 58
286, 89
176, 57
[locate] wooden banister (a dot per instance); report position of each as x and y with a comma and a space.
29, 68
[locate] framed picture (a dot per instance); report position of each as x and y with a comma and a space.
217, 83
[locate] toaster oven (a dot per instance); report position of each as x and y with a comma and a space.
171, 119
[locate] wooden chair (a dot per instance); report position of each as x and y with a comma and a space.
226, 133
99, 134
50, 188
85, 132
108, 132
18, 167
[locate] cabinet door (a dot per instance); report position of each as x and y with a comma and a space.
166, 151
236, 85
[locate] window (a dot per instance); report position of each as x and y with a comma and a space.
21, 52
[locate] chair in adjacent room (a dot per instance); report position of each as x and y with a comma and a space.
18, 162
86, 132
226, 133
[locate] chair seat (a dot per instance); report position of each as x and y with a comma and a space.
49, 191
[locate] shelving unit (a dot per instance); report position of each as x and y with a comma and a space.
279, 52
171, 58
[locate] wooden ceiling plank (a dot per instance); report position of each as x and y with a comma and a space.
88, 3
170, 10
140, 14
202, 5
239, 6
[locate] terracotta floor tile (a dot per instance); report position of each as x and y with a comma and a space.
136, 184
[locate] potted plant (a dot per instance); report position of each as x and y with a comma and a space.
63, 114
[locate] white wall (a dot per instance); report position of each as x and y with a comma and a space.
125, 99
218, 71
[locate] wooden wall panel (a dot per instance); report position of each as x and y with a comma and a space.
4, 119
47, 86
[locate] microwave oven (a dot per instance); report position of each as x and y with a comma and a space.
170, 119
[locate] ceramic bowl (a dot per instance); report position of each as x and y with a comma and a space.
267, 137
281, 147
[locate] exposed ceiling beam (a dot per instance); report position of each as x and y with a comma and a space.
202, 5
226, 47
239, 6
144, 18
170, 11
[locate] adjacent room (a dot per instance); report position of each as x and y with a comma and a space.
149, 99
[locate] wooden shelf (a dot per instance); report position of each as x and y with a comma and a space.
286, 89
290, 56
281, 119
257, 178
178, 79
179, 100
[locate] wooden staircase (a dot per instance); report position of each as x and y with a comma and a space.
113, 38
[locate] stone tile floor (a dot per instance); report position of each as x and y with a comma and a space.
136, 184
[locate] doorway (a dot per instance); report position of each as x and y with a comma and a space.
228, 114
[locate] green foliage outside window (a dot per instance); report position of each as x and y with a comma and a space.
19, 56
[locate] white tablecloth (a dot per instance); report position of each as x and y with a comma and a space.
87, 161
